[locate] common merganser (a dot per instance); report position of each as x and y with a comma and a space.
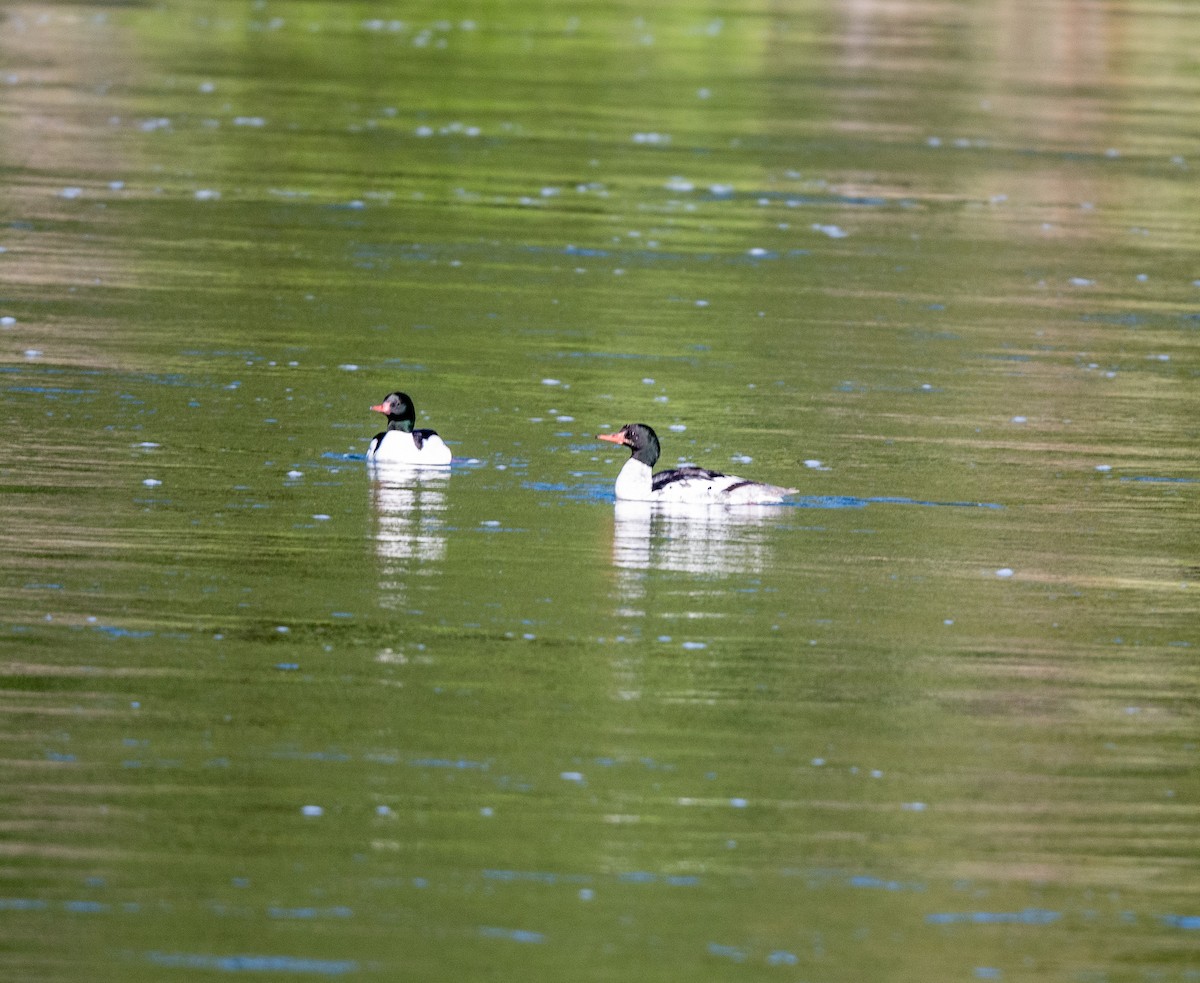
400, 443
684, 486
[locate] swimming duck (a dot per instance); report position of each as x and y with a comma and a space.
400, 443
687, 485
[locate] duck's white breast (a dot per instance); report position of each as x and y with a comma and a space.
398, 447
634, 483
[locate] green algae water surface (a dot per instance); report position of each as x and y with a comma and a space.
265, 713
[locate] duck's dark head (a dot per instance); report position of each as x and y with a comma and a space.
399, 410
641, 440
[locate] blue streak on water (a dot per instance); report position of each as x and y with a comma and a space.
113, 631
1027, 916
341, 757
727, 952
604, 493
459, 763
854, 502
23, 904
631, 257
585, 251
50, 391
85, 907
1158, 480
1190, 923
77, 906
877, 882
339, 911
254, 964
512, 934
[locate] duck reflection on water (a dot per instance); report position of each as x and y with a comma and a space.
711, 540
410, 535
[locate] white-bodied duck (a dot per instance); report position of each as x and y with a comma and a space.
400, 443
682, 486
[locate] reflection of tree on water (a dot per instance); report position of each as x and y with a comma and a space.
410, 530
691, 539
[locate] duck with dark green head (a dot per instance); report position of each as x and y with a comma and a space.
400, 444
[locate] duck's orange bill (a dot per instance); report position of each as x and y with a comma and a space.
380, 408
612, 438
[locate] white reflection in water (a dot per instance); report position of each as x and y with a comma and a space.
702, 539
410, 533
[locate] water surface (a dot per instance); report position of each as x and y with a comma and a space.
269, 712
